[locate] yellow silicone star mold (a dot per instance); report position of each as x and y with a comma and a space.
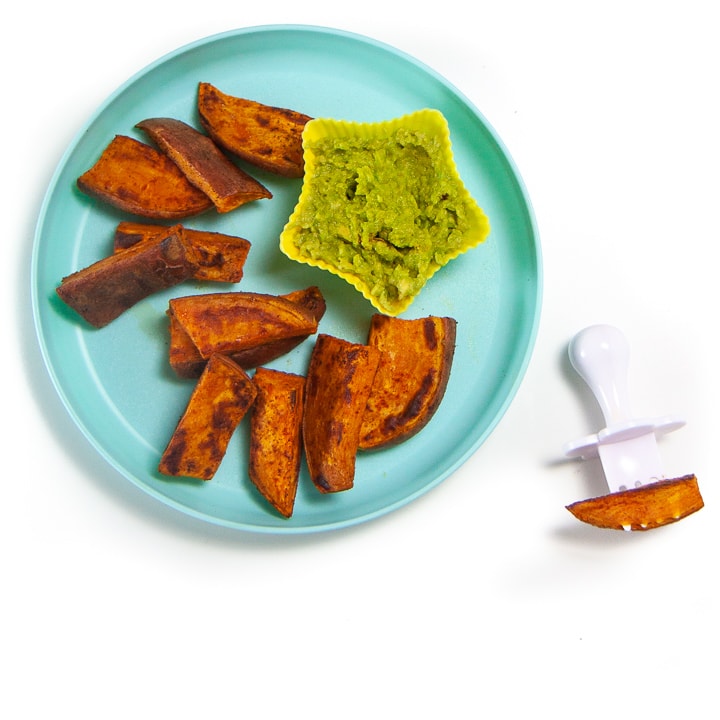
382, 206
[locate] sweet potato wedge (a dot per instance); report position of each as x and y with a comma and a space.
204, 164
262, 135
184, 357
415, 363
187, 362
311, 298
275, 437
230, 322
219, 257
129, 233
338, 384
141, 180
221, 398
104, 290
643, 508
312, 301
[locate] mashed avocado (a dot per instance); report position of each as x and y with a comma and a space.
385, 210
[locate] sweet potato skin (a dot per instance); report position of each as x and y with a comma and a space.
203, 163
141, 180
416, 360
643, 508
262, 135
221, 398
219, 257
339, 378
275, 437
104, 290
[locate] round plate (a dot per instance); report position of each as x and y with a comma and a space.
116, 382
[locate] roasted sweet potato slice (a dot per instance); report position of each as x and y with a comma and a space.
262, 135
141, 180
643, 508
338, 384
104, 290
230, 322
275, 437
416, 358
187, 362
129, 233
219, 257
311, 298
184, 357
204, 164
223, 395
312, 301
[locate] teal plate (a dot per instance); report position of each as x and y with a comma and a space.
116, 382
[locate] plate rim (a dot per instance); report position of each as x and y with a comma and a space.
533, 324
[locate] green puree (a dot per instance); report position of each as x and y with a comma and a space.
384, 212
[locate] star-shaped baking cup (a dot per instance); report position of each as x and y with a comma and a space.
382, 206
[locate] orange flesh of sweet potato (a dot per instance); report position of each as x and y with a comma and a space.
223, 395
262, 135
275, 437
643, 508
139, 179
187, 362
415, 362
230, 322
219, 257
104, 290
338, 383
203, 163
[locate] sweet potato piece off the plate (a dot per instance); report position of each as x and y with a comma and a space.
275, 437
204, 164
339, 379
642, 508
104, 290
221, 398
415, 362
262, 135
138, 179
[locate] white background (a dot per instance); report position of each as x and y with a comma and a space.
484, 598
